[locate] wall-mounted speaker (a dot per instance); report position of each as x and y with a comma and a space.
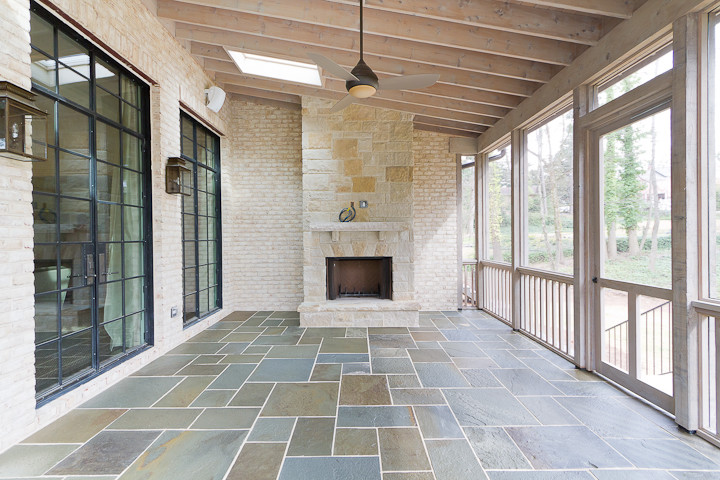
214, 98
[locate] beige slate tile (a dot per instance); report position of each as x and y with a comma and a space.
258, 461
402, 449
77, 426
364, 390
356, 441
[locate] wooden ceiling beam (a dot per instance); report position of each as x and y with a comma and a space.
380, 64
387, 26
405, 50
294, 89
440, 122
415, 97
265, 94
444, 130
499, 15
489, 14
608, 8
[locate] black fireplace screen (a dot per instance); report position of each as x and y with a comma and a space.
359, 277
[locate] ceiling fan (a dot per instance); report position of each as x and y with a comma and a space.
361, 82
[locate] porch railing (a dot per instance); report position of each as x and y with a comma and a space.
497, 289
547, 308
470, 284
656, 338
709, 371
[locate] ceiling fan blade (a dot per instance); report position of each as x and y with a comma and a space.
344, 102
331, 67
409, 82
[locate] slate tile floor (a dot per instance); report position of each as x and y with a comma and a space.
460, 397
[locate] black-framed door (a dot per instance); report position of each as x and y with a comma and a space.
91, 207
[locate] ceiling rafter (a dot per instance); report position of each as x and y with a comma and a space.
622, 9
418, 29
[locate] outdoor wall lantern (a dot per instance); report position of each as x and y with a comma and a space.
23, 127
175, 171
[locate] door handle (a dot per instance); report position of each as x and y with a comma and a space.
594, 279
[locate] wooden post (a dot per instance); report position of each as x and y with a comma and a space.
685, 246
582, 102
459, 193
481, 196
517, 180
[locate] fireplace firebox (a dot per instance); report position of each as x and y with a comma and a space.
359, 277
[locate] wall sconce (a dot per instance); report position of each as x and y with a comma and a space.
23, 128
174, 173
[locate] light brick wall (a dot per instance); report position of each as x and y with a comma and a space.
262, 207
435, 222
128, 28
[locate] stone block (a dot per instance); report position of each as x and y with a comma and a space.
363, 184
399, 174
353, 167
345, 148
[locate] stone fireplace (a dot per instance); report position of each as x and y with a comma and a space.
360, 153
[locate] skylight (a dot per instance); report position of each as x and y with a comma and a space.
277, 68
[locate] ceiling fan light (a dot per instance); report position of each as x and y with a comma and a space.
362, 91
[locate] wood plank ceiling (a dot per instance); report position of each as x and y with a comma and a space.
490, 54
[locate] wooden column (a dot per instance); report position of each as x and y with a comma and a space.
685, 243
459, 190
582, 288
482, 231
518, 180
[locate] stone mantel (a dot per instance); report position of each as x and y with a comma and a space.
336, 227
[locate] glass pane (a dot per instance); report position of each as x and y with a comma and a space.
43, 70
201, 156
134, 295
110, 303
106, 76
76, 353
211, 188
132, 188
76, 313
43, 174
107, 143
549, 233
636, 76
189, 252
130, 91
212, 232
74, 130
73, 85
201, 179
636, 202
212, 252
134, 259
110, 340
202, 253
499, 209
203, 277
44, 218
74, 220
109, 223
655, 342
212, 294
46, 269
189, 227
190, 307
72, 265
204, 302
74, 175
189, 277
187, 147
132, 152
615, 350
69, 48
133, 219
131, 117
202, 228
41, 34
47, 105
134, 330
46, 366
46, 317
108, 183
107, 104
468, 213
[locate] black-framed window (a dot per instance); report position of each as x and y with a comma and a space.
92, 243
200, 221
